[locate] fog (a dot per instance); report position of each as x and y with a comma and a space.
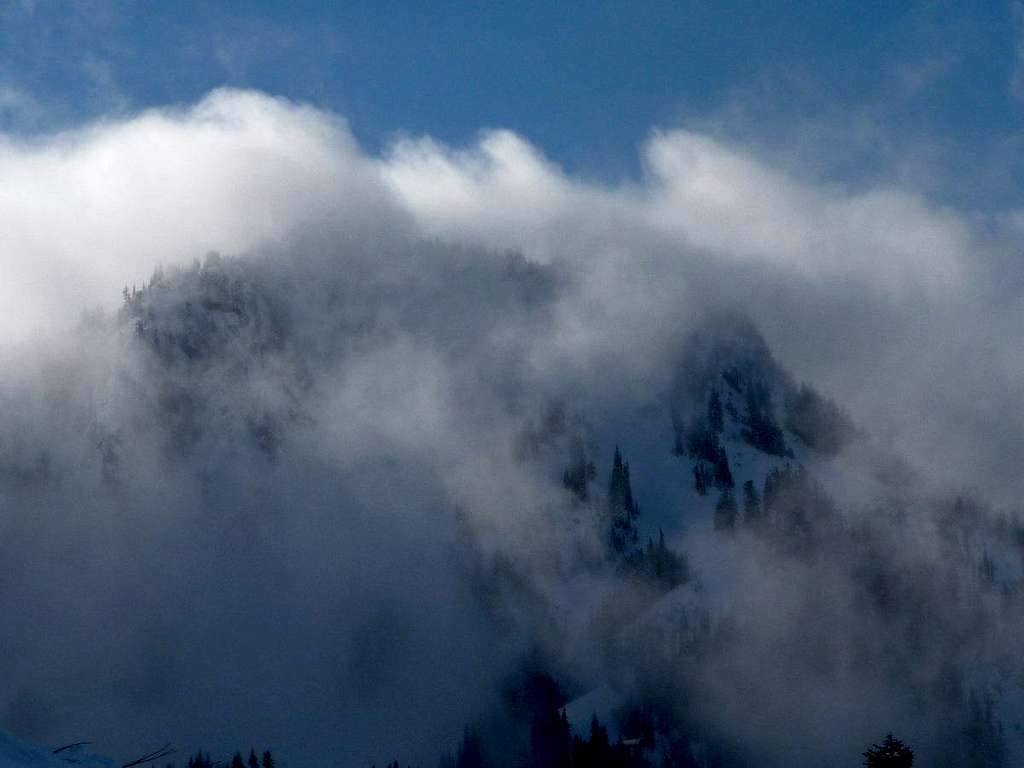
306, 492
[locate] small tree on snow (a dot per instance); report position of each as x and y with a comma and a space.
891, 753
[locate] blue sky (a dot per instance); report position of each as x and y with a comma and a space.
851, 89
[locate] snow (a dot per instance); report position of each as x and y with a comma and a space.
15, 753
663, 485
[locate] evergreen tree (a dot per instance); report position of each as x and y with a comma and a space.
983, 734
723, 475
622, 507
666, 566
817, 421
773, 482
700, 479
236, 761
891, 753
677, 442
725, 512
253, 761
751, 504
471, 752
268, 760
564, 741
550, 739
600, 747
580, 757
581, 470
631, 508
702, 442
795, 505
987, 569
716, 418
761, 430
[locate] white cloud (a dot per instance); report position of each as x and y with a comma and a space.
719, 199
859, 289
698, 193
87, 211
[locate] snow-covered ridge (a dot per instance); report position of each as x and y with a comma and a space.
15, 753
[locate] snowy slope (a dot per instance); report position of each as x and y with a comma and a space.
664, 486
663, 483
15, 753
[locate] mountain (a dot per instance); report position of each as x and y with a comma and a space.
394, 496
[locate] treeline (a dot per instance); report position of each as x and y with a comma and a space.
729, 360
655, 562
790, 504
553, 745
641, 743
203, 760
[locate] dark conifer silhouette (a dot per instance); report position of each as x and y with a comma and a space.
599, 749
700, 478
818, 422
702, 442
622, 507
794, 504
677, 443
660, 564
471, 751
580, 471
987, 569
716, 417
551, 739
983, 734
725, 512
751, 504
891, 753
723, 475
761, 430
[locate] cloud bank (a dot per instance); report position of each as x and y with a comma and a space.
872, 290
317, 462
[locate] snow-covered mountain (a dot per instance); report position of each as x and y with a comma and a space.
269, 496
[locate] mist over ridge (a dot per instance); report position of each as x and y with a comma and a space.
416, 427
